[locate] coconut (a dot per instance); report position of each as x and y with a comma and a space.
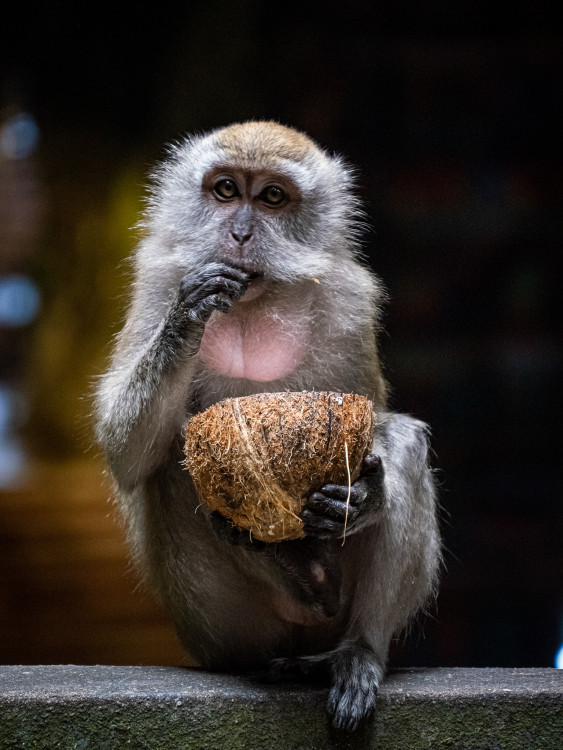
257, 459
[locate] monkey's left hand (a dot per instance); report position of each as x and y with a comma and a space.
324, 513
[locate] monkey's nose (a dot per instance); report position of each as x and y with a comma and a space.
241, 238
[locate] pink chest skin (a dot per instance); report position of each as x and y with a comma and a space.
249, 343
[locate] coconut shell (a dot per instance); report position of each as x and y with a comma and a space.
257, 459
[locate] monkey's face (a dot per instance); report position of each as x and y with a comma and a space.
259, 195
250, 205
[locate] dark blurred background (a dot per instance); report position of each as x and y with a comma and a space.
452, 112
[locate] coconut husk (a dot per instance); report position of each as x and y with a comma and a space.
257, 459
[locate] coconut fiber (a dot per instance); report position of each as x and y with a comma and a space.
256, 459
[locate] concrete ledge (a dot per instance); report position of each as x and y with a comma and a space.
162, 708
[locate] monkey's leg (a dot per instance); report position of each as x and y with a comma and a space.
355, 676
354, 673
391, 559
312, 569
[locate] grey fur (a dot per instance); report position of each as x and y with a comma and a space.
221, 595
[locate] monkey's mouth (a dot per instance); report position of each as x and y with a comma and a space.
253, 274
257, 285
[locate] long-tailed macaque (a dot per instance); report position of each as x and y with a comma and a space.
249, 279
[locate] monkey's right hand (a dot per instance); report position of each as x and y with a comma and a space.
215, 286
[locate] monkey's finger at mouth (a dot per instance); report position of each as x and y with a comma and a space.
229, 270
250, 273
225, 286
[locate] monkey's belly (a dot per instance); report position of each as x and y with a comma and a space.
255, 347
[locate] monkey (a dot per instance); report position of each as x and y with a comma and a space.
249, 277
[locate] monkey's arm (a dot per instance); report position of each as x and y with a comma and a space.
142, 399
398, 552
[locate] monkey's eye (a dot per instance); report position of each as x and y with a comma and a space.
272, 195
226, 189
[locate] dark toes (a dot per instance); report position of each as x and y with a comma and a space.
294, 668
349, 703
277, 668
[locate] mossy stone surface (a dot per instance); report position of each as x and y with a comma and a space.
142, 708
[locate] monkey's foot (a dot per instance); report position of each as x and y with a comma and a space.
330, 513
356, 674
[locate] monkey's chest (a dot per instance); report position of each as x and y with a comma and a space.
255, 347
